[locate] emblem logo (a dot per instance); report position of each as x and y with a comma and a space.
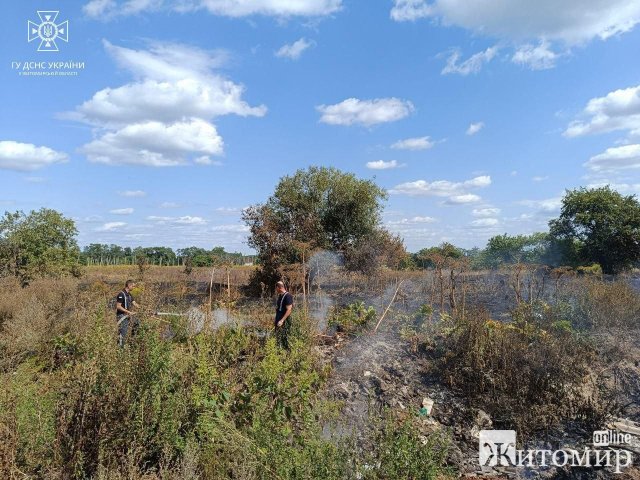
48, 31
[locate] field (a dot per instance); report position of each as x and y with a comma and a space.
548, 353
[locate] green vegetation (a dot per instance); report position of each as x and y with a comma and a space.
221, 404
103, 254
319, 208
599, 225
41, 243
352, 317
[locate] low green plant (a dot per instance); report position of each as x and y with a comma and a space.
352, 317
399, 450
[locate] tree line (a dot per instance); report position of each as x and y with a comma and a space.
326, 210
103, 254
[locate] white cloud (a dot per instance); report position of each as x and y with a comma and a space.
457, 192
188, 220
163, 118
110, 226
618, 110
540, 178
169, 205
365, 112
121, 211
485, 212
106, 9
27, 157
549, 205
175, 81
615, 159
155, 144
471, 65
569, 21
229, 210
410, 10
485, 222
230, 228
481, 181
475, 128
412, 221
539, 57
132, 193
417, 143
207, 160
177, 221
462, 199
382, 165
293, 51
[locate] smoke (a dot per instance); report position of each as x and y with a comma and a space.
319, 305
321, 264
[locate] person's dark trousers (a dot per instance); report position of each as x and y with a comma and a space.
282, 334
126, 327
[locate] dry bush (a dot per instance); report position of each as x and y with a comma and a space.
607, 306
36, 320
527, 374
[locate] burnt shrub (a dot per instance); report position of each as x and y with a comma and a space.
529, 373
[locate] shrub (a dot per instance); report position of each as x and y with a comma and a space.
351, 317
518, 370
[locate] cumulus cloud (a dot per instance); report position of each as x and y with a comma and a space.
570, 21
462, 199
365, 112
456, 192
412, 221
471, 65
121, 211
107, 9
485, 222
27, 157
155, 144
132, 193
110, 226
410, 10
549, 205
535, 57
475, 128
177, 221
618, 110
485, 212
207, 160
626, 157
416, 143
163, 118
294, 50
382, 165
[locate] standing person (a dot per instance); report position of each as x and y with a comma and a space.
124, 314
282, 322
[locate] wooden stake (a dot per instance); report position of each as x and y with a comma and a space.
388, 307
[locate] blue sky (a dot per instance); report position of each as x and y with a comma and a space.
475, 116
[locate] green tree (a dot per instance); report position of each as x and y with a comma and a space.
508, 249
424, 257
321, 208
39, 244
599, 225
